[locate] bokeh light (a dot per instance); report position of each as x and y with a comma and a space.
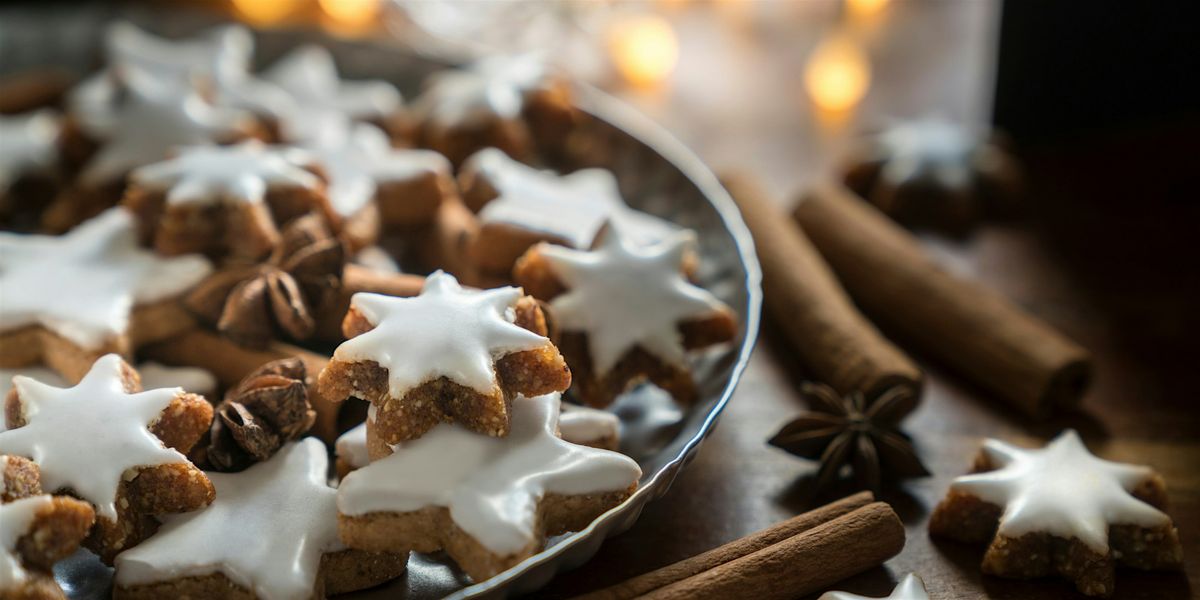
644, 49
837, 74
266, 12
353, 13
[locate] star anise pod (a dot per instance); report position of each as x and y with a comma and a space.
254, 304
268, 408
853, 430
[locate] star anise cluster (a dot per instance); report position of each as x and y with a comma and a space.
854, 430
253, 304
268, 408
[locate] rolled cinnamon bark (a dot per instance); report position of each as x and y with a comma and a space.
801, 564
832, 337
969, 327
646, 583
355, 279
230, 363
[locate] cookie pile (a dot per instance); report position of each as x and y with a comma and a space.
181, 206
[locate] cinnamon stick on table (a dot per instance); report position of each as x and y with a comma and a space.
969, 327
832, 337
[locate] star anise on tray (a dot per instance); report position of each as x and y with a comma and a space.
253, 304
853, 430
266, 409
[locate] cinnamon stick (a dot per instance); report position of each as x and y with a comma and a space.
648, 582
229, 363
355, 279
801, 564
832, 337
969, 327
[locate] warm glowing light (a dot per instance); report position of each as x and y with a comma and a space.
644, 49
351, 12
865, 9
837, 74
265, 12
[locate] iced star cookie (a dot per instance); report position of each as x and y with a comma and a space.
67, 300
29, 165
508, 102
113, 445
489, 502
626, 313
150, 118
910, 588
449, 354
577, 425
153, 376
519, 206
271, 533
223, 201
1060, 510
323, 99
36, 532
372, 184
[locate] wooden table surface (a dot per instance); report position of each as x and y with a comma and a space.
1106, 253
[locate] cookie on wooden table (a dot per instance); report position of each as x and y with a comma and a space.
489, 502
113, 445
625, 313
1060, 510
449, 354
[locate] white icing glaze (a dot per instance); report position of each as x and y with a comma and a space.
583, 425
910, 588
571, 207
444, 332
351, 446
928, 147
28, 142
1062, 490
99, 273
492, 87
623, 295
191, 379
377, 259
491, 485
15, 519
322, 98
361, 157
213, 174
149, 119
88, 436
266, 530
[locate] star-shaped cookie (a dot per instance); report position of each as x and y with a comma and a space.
909, 588
113, 445
626, 311
447, 354
35, 532
67, 300
1060, 509
271, 531
488, 502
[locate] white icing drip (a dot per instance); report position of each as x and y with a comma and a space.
444, 332
42, 374
493, 87
149, 119
571, 207
211, 174
322, 98
28, 142
623, 295
377, 259
191, 379
87, 437
928, 148
83, 285
490, 485
583, 425
352, 446
910, 588
15, 519
361, 158
266, 530
1062, 490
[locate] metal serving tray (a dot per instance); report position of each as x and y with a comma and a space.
657, 174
